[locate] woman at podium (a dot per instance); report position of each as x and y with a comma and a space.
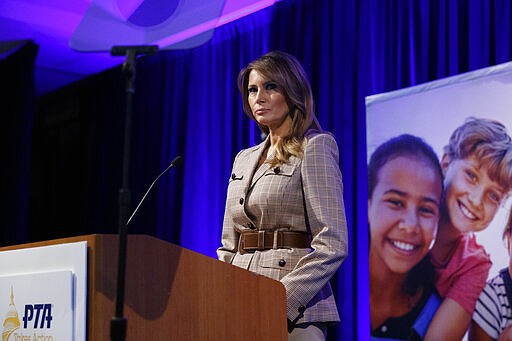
285, 215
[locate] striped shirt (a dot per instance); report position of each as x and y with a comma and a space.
493, 312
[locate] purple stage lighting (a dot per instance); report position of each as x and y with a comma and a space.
109, 23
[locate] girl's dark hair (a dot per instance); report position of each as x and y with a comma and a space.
422, 274
402, 145
507, 231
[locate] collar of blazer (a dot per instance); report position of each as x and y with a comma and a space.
257, 172
253, 158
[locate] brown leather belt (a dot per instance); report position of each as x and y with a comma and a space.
251, 241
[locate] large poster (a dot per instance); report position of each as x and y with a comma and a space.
432, 112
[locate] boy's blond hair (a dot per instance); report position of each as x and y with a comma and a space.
488, 142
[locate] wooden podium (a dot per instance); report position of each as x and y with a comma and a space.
176, 294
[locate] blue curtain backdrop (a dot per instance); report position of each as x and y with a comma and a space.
350, 49
187, 103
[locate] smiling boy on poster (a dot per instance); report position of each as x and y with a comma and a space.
477, 165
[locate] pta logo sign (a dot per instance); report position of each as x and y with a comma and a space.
39, 314
44, 312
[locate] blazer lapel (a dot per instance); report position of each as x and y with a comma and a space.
258, 172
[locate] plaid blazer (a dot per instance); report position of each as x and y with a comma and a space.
265, 199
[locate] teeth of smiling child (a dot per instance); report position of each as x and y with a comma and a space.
403, 246
466, 212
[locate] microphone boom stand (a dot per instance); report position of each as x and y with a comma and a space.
118, 323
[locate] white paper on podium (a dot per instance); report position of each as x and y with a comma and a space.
37, 306
64, 260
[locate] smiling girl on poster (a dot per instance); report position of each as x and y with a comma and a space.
405, 185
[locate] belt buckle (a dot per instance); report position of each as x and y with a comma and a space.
241, 244
275, 244
261, 240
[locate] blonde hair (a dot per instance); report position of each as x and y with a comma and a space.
489, 143
286, 71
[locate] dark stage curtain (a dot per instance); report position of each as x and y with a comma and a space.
186, 103
17, 101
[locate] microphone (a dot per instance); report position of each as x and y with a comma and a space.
178, 160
